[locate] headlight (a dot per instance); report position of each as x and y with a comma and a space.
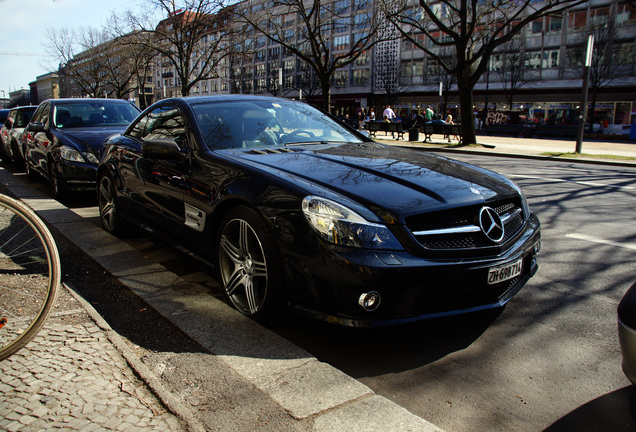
91, 157
341, 226
70, 154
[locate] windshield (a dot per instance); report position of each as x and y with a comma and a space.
97, 113
248, 124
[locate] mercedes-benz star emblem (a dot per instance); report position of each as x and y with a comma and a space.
491, 224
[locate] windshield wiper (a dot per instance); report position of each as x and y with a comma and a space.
306, 142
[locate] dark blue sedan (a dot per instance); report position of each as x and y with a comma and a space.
62, 141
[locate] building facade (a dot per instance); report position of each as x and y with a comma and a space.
400, 74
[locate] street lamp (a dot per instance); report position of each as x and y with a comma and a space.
586, 79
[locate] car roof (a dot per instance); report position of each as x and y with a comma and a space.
24, 107
81, 100
193, 100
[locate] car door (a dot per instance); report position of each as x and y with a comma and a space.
161, 181
39, 140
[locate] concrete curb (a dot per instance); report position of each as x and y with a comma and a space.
300, 384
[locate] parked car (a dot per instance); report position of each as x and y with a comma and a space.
293, 208
627, 332
64, 136
11, 134
4, 113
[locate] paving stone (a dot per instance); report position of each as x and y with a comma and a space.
71, 378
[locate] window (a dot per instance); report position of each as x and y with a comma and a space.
165, 122
599, 17
261, 70
577, 20
363, 59
533, 60
361, 77
341, 25
341, 42
555, 24
288, 66
626, 13
341, 7
536, 27
340, 78
550, 59
361, 21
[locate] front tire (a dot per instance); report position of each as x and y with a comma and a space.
250, 265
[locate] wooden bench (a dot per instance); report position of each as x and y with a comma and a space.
447, 130
559, 131
395, 128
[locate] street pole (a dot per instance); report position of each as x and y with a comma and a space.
586, 83
441, 112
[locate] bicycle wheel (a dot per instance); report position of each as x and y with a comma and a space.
29, 274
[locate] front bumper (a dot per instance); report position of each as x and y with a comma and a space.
78, 177
410, 288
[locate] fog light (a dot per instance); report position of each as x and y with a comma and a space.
537, 247
370, 301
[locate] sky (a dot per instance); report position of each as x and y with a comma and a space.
23, 25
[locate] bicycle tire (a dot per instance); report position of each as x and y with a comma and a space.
30, 274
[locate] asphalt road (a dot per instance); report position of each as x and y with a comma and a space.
549, 360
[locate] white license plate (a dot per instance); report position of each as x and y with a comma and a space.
504, 272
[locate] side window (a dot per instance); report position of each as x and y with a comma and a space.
42, 115
12, 117
165, 122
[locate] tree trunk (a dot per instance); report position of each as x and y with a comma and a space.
325, 85
466, 110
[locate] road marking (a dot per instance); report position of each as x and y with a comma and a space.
584, 183
600, 240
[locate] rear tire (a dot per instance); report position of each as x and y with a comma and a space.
57, 182
18, 160
30, 174
108, 209
250, 265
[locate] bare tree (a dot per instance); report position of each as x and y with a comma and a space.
93, 61
81, 56
610, 59
474, 28
194, 38
307, 29
509, 63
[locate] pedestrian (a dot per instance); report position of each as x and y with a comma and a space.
360, 118
429, 114
387, 120
418, 120
372, 115
388, 112
449, 121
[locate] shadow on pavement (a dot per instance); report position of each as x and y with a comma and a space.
615, 411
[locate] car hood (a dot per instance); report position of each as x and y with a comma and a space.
395, 183
84, 138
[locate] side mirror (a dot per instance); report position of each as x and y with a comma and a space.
162, 149
8, 124
35, 127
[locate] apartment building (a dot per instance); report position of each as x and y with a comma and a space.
400, 74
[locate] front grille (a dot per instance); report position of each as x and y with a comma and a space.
458, 229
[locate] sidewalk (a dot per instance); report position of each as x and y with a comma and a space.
613, 153
72, 377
